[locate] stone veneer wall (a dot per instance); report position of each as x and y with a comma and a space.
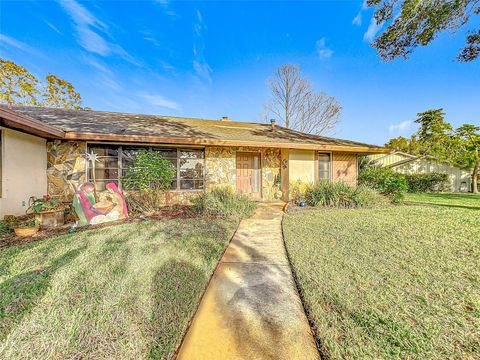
65, 167
220, 167
344, 167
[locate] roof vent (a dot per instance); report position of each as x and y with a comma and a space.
225, 118
272, 122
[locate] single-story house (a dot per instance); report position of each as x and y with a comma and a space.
43, 151
460, 180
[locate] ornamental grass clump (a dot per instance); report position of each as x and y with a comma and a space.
223, 202
343, 195
330, 194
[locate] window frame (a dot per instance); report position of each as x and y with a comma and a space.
120, 155
330, 165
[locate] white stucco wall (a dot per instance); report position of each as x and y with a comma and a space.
302, 166
24, 164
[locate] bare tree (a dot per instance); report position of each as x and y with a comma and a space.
297, 106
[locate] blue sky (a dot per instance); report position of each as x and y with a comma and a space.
211, 59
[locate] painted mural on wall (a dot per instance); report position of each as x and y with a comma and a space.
111, 205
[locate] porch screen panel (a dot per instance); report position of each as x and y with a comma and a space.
191, 166
324, 166
171, 156
114, 160
106, 168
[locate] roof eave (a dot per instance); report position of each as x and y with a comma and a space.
89, 136
11, 119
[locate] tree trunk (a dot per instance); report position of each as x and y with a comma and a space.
475, 177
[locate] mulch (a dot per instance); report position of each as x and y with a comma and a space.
164, 214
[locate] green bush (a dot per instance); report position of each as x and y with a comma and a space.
386, 181
223, 202
147, 180
342, 195
427, 182
366, 197
331, 194
298, 190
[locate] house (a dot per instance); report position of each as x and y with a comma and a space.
43, 151
460, 180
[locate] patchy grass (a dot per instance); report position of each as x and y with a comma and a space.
460, 200
400, 282
119, 292
4, 230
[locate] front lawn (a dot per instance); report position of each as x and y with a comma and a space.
460, 200
121, 292
400, 282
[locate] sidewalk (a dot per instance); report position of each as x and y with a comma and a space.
251, 309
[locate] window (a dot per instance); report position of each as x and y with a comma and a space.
324, 165
190, 169
113, 160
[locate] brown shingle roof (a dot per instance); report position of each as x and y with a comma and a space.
102, 125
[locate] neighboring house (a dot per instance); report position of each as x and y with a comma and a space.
43, 150
460, 180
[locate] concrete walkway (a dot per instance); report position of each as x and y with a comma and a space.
251, 309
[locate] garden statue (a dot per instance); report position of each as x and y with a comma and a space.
112, 206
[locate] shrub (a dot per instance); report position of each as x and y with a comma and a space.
386, 181
427, 182
148, 178
332, 194
298, 191
223, 202
366, 197
340, 194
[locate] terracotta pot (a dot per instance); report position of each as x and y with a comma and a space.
26, 231
50, 219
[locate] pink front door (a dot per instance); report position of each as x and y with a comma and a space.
248, 173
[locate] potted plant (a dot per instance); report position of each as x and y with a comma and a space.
49, 213
28, 228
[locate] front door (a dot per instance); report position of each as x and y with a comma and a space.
248, 173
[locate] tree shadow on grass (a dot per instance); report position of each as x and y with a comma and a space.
177, 287
202, 240
454, 196
468, 207
21, 293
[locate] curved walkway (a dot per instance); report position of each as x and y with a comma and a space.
251, 308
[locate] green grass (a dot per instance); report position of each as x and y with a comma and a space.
461, 200
4, 230
121, 292
400, 282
